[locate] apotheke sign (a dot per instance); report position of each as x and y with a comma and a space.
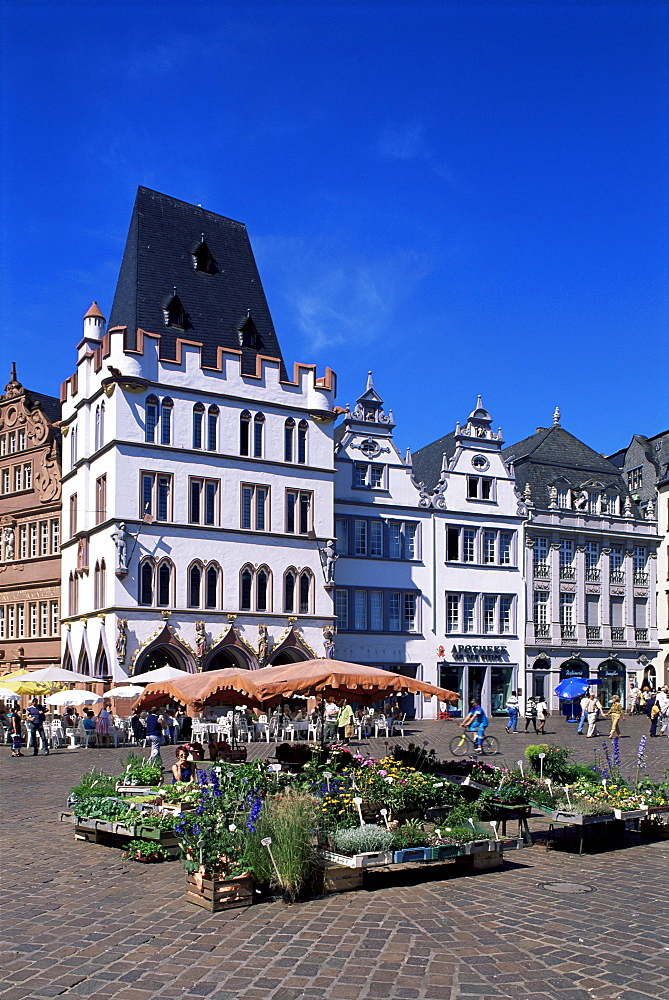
479, 654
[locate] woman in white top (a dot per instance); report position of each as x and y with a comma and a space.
542, 715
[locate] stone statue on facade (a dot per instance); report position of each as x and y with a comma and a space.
200, 639
328, 641
581, 500
263, 645
650, 510
121, 542
329, 558
121, 640
9, 542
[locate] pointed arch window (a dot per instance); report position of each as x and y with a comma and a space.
211, 599
99, 426
101, 666
150, 418
84, 666
146, 583
263, 589
288, 439
165, 577
289, 590
166, 421
198, 416
99, 585
212, 428
194, 586
258, 434
305, 593
302, 430
244, 432
246, 588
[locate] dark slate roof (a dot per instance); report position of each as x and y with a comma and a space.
553, 453
427, 461
158, 258
49, 405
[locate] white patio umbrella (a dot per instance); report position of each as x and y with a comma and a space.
56, 675
125, 691
160, 675
7, 695
73, 698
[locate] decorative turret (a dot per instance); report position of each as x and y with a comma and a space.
369, 407
13, 387
479, 425
94, 330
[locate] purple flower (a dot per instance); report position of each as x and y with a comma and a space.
616, 751
196, 829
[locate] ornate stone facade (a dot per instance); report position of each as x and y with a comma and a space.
30, 514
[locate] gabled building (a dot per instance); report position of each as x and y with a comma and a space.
30, 512
477, 600
590, 567
427, 576
198, 475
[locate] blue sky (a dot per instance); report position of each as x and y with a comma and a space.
463, 197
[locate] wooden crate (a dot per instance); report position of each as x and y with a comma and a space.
338, 878
216, 895
480, 862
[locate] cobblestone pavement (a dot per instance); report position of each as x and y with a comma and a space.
80, 921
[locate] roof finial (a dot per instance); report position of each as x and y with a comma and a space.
12, 374
556, 416
479, 402
370, 382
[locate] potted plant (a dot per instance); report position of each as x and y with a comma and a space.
146, 851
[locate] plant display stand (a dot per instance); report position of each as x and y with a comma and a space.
110, 834
218, 894
367, 860
342, 878
136, 789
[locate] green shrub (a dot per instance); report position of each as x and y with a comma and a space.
288, 818
139, 850
138, 771
94, 782
410, 834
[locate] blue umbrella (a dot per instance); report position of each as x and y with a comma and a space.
574, 687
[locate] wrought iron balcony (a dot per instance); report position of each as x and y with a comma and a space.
593, 575
593, 633
568, 632
641, 634
541, 571
640, 579
617, 634
567, 572
617, 576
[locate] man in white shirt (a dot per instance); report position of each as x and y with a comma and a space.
331, 714
593, 708
662, 702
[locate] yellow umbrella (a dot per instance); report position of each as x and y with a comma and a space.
27, 686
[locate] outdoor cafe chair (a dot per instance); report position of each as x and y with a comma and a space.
397, 725
381, 723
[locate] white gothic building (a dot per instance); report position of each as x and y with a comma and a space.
197, 472
428, 574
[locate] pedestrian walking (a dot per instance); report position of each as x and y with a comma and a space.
35, 717
662, 703
654, 719
531, 714
345, 728
593, 708
616, 713
14, 719
154, 735
513, 708
542, 714
103, 726
584, 714
634, 699
331, 713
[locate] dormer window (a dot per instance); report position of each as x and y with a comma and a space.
247, 332
202, 258
174, 312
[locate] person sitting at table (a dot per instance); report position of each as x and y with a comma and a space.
183, 769
89, 725
68, 721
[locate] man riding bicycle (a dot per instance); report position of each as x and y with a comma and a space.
477, 721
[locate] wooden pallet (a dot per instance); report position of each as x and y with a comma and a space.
216, 895
339, 878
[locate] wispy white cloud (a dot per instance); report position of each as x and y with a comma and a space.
408, 142
403, 142
336, 295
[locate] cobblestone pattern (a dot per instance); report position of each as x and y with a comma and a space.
82, 922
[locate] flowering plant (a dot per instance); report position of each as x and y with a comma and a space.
210, 835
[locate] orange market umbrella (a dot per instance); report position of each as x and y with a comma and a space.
195, 690
324, 677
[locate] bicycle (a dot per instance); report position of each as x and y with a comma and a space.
462, 745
